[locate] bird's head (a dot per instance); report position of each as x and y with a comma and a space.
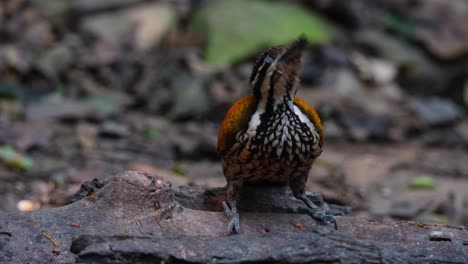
275, 76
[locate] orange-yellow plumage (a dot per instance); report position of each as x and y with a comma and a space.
236, 118
312, 114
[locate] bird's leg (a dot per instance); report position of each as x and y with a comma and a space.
233, 192
318, 213
297, 185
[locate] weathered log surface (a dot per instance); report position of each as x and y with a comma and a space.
136, 218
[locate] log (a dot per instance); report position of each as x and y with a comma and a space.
133, 217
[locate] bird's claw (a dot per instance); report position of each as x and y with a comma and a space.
323, 216
234, 223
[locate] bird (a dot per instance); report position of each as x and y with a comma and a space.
271, 135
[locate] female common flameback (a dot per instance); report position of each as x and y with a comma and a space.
271, 135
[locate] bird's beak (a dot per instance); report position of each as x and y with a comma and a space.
293, 53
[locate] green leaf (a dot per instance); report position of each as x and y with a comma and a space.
151, 134
60, 88
399, 24
177, 169
101, 106
422, 182
237, 29
13, 159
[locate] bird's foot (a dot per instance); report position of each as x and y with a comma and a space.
234, 223
323, 216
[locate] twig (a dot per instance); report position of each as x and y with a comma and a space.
50, 238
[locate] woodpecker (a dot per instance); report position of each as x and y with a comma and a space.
272, 135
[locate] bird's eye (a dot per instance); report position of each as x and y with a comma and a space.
269, 59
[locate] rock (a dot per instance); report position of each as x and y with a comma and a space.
173, 91
321, 60
370, 111
90, 187
436, 111
94, 89
149, 22
47, 109
449, 39
91, 6
407, 209
86, 135
347, 85
101, 107
363, 127
433, 218
194, 140
11, 91
268, 199
390, 48
227, 88
267, 248
190, 98
54, 10
373, 70
443, 137
203, 173
462, 130
39, 36
437, 25
133, 217
96, 107
380, 100
416, 71
174, 178
332, 129
448, 42
14, 57
25, 136
13, 191
114, 130
55, 60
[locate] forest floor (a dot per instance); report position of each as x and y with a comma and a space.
94, 88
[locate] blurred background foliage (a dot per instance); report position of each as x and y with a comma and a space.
91, 88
